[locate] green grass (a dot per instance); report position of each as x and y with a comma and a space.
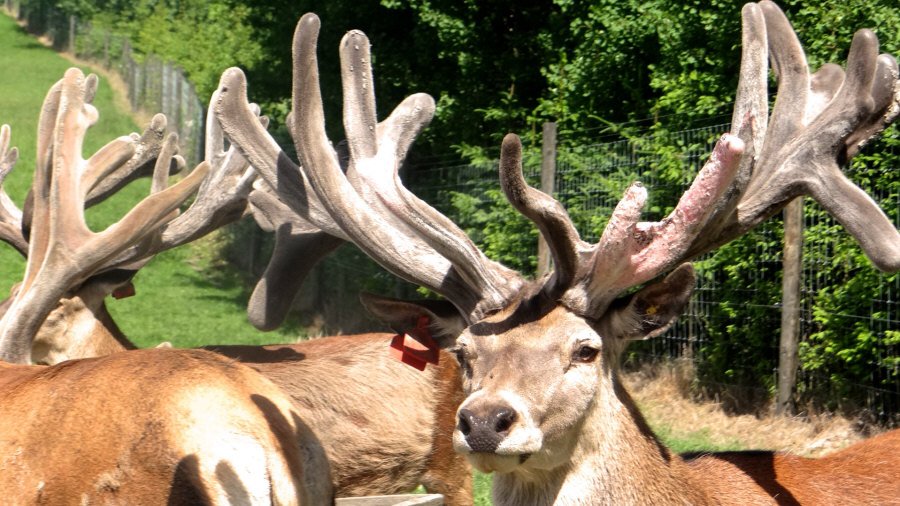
182, 295
695, 441
29, 69
483, 489
185, 297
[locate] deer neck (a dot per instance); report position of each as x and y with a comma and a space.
616, 460
113, 339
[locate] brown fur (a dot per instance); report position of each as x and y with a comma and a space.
348, 388
68, 331
386, 427
121, 430
862, 474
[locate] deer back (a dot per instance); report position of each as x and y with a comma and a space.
862, 473
154, 427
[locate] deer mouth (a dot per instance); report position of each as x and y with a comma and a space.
494, 463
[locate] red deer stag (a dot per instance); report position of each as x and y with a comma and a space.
143, 427
546, 409
344, 381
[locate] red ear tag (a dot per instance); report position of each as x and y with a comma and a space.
417, 349
124, 291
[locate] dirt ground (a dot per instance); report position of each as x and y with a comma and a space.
660, 393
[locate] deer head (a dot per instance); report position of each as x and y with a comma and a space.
540, 358
71, 269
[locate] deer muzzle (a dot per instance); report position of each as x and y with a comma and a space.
484, 431
496, 432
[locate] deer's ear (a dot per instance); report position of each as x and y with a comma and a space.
95, 289
652, 310
444, 321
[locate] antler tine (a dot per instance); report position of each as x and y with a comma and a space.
376, 155
631, 252
123, 160
749, 121
886, 95
63, 251
750, 118
100, 184
222, 197
37, 238
789, 63
240, 125
139, 254
359, 95
385, 237
546, 212
10, 214
804, 154
299, 246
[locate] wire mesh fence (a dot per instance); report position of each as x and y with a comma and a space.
155, 85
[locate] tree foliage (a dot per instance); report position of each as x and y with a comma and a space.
203, 37
592, 66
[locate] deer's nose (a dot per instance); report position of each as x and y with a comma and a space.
485, 430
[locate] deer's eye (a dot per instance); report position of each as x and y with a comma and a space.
464, 360
460, 355
585, 354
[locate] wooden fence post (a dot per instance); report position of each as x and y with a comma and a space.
70, 46
106, 49
548, 178
790, 305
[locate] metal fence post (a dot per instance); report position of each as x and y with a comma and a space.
71, 42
